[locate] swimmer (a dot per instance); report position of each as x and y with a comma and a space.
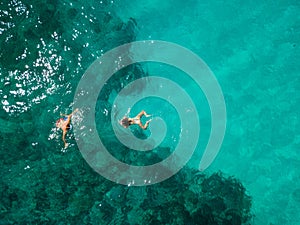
126, 121
65, 124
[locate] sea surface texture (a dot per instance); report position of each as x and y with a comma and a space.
251, 47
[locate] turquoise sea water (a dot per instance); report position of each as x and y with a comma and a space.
253, 50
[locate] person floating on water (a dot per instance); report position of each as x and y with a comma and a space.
126, 121
65, 124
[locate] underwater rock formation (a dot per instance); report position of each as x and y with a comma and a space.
187, 198
82, 196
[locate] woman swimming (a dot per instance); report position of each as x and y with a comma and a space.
65, 124
126, 121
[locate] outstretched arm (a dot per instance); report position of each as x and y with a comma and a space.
68, 115
74, 111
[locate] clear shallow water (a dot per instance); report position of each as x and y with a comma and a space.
252, 49
46, 46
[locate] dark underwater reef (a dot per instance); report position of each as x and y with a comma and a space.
53, 192
186, 198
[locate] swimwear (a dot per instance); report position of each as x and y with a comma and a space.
136, 120
69, 127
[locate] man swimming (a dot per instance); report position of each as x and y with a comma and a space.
126, 121
65, 124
